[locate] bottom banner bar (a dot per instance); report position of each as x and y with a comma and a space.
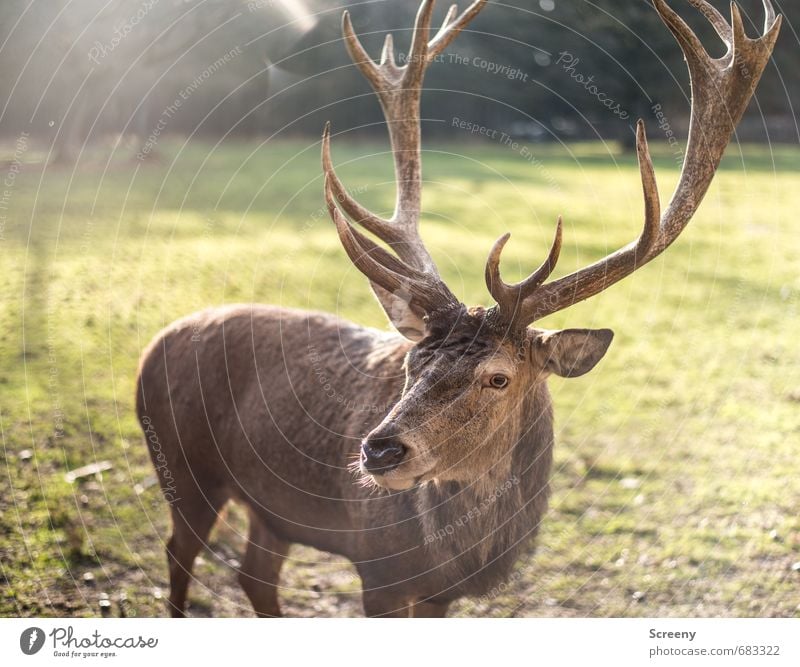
465, 642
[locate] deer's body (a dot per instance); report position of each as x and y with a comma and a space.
449, 427
278, 431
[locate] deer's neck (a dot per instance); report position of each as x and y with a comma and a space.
477, 531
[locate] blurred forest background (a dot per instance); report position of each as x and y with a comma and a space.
77, 72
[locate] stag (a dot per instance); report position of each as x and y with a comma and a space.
450, 417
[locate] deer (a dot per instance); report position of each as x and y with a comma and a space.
423, 454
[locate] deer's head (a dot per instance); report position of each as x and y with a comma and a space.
472, 373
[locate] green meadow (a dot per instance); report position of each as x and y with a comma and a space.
676, 486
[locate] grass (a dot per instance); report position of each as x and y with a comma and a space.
676, 483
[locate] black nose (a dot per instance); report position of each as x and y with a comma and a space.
380, 454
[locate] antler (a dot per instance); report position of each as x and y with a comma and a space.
721, 89
398, 89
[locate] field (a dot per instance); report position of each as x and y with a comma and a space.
677, 477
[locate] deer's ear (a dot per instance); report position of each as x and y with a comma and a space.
397, 306
570, 353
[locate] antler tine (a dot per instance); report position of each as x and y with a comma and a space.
652, 202
359, 244
418, 53
452, 12
383, 268
373, 223
716, 19
690, 44
739, 34
769, 14
531, 299
721, 90
511, 297
398, 90
387, 54
450, 27
358, 54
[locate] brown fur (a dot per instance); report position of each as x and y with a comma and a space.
269, 406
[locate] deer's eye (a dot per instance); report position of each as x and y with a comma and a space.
498, 381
